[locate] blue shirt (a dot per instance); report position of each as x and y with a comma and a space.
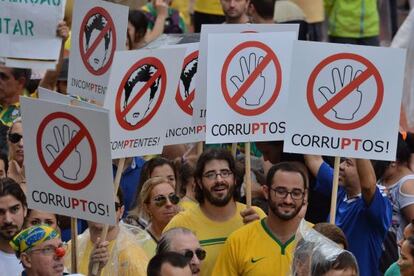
364, 225
129, 181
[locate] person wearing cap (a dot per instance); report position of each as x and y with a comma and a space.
41, 251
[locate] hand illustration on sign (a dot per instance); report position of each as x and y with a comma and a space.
255, 92
143, 74
187, 75
71, 166
349, 106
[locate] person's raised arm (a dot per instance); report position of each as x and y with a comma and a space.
313, 162
367, 179
50, 78
162, 13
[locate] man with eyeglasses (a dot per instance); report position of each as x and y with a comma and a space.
218, 213
126, 257
266, 247
13, 209
41, 252
183, 241
363, 211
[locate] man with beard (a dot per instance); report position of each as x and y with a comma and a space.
266, 247
218, 213
235, 11
13, 209
363, 212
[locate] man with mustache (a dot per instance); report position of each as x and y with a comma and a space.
363, 211
266, 247
235, 11
13, 209
218, 213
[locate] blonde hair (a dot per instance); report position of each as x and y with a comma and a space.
143, 197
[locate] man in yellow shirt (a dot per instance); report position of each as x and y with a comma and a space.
266, 247
218, 214
126, 257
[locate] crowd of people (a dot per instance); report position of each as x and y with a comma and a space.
184, 212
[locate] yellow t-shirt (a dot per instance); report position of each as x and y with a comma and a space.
187, 204
211, 234
208, 6
254, 250
313, 10
183, 6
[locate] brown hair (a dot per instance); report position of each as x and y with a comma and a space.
332, 232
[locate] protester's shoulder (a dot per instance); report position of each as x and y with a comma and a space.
246, 232
407, 186
187, 218
242, 206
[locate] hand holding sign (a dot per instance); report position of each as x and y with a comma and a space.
63, 137
346, 109
255, 92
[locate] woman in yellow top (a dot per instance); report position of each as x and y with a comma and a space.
158, 205
207, 12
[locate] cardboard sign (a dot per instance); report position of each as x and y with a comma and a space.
98, 30
53, 96
28, 29
248, 92
181, 128
200, 102
345, 100
68, 161
142, 87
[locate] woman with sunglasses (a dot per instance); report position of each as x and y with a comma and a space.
16, 153
158, 205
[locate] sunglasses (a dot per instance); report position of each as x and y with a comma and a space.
161, 200
15, 138
200, 253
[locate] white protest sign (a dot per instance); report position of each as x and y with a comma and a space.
200, 102
53, 96
142, 87
98, 30
247, 80
28, 29
181, 128
68, 161
344, 100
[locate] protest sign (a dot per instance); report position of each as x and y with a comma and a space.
200, 102
142, 87
68, 161
247, 82
28, 29
53, 96
98, 30
345, 100
181, 128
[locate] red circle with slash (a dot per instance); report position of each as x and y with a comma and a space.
120, 114
109, 27
51, 168
185, 103
319, 112
269, 58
